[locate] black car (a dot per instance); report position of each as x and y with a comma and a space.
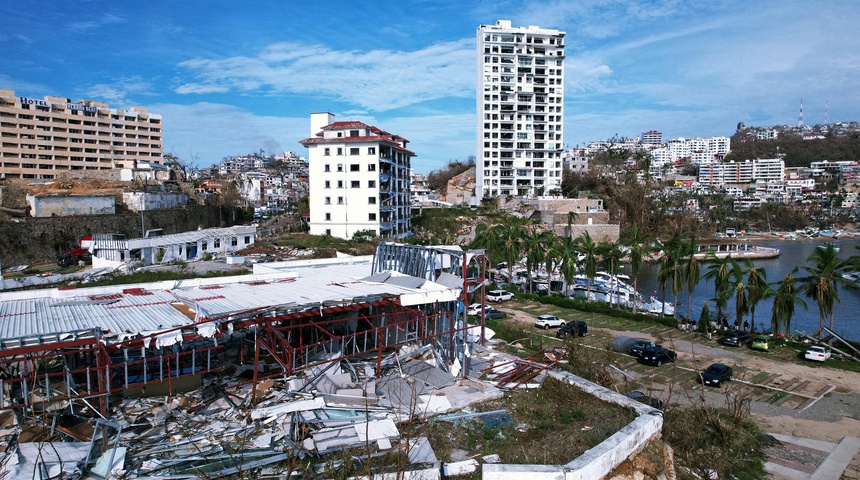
640, 345
735, 338
574, 328
647, 400
716, 374
657, 356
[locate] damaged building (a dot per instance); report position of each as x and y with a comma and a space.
276, 374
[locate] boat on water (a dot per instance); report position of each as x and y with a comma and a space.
733, 248
614, 290
824, 246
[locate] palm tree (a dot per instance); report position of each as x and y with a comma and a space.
568, 262
740, 292
535, 244
510, 243
784, 301
719, 270
610, 254
634, 237
691, 274
589, 249
757, 287
571, 217
487, 238
670, 270
822, 281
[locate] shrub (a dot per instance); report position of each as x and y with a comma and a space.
597, 307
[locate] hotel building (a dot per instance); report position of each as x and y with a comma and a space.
41, 139
358, 179
519, 110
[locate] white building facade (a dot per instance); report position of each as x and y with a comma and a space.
358, 179
766, 170
519, 110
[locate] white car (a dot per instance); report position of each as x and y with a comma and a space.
473, 309
548, 321
817, 354
499, 296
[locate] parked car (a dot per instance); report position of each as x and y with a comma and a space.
760, 342
499, 296
491, 312
646, 399
640, 345
548, 321
715, 374
735, 338
817, 354
575, 328
474, 309
657, 356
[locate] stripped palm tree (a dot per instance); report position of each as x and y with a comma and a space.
640, 245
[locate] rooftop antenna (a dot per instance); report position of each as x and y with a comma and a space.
826, 111
800, 119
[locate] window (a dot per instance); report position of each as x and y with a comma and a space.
340, 184
340, 151
247, 239
327, 168
327, 217
371, 200
328, 200
371, 150
371, 167
354, 151
326, 151
371, 217
355, 184
327, 184
328, 232
204, 246
353, 133
216, 243
339, 166
234, 241
355, 167
340, 200
371, 184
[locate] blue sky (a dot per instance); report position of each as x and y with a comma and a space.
230, 78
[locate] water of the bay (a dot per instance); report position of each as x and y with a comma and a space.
793, 253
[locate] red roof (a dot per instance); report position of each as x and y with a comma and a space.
370, 138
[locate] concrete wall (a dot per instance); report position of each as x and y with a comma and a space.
49, 206
137, 201
599, 461
598, 233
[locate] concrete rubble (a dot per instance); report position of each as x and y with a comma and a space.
286, 426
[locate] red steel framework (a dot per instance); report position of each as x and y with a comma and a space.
88, 370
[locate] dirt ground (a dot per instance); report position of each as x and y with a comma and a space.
834, 415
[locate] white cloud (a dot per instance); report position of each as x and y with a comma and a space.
93, 24
377, 80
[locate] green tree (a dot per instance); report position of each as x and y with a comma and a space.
669, 274
535, 243
757, 288
785, 299
719, 271
589, 249
568, 262
822, 281
691, 273
610, 256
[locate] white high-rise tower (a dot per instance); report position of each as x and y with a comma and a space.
519, 110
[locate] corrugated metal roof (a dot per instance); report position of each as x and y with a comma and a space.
32, 316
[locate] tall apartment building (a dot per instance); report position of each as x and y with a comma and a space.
358, 179
651, 137
519, 110
41, 139
767, 170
